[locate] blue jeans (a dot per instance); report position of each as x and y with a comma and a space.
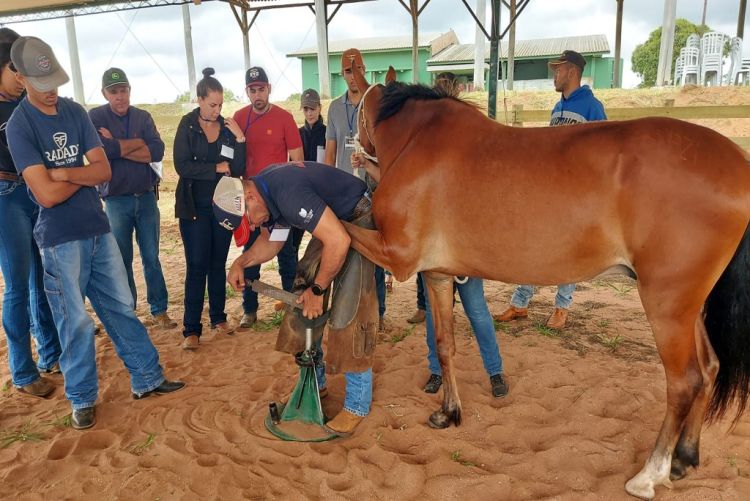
380, 289
475, 306
358, 386
93, 267
206, 248
25, 307
524, 293
421, 303
140, 213
287, 258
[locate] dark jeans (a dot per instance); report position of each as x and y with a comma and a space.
206, 248
287, 258
420, 293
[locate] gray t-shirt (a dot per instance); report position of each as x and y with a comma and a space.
342, 124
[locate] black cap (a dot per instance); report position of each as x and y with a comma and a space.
114, 76
570, 56
35, 60
256, 76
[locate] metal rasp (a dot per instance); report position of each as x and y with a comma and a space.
274, 292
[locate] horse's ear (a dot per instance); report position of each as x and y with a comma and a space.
359, 78
391, 75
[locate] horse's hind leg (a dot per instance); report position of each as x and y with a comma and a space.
674, 330
686, 453
440, 290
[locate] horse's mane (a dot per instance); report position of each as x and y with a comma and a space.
396, 94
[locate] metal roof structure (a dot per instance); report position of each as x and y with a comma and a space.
436, 41
527, 49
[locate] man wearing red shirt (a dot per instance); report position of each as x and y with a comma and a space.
272, 138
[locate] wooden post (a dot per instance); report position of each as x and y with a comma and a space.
245, 38
618, 46
75, 63
517, 109
189, 49
664, 70
511, 45
321, 32
479, 41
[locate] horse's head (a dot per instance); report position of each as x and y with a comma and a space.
368, 108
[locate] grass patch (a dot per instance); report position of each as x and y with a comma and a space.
603, 324
269, 325
62, 421
546, 331
501, 326
6, 386
271, 266
230, 292
611, 342
25, 433
400, 336
140, 448
622, 289
456, 458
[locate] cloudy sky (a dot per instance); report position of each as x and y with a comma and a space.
148, 44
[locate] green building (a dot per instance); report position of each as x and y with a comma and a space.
443, 52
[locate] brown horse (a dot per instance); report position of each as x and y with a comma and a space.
662, 200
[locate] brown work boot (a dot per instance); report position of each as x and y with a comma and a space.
344, 423
41, 388
557, 319
512, 313
162, 321
223, 328
191, 342
418, 317
248, 319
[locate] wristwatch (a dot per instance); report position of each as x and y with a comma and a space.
317, 290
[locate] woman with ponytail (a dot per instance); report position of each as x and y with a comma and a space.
207, 146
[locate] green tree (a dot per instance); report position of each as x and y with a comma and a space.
229, 96
645, 58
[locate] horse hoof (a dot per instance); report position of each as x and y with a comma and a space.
439, 420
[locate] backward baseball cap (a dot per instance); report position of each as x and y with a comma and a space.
229, 202
114, 76
36, 61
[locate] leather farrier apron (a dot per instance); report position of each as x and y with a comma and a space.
353, 324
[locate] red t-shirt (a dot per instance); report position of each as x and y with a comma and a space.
270, 136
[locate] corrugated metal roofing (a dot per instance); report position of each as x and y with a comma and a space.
545, 47
369, 44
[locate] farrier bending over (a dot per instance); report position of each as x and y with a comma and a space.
315, 197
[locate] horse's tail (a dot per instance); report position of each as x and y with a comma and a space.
727, 321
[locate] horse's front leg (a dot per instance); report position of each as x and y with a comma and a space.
440, 290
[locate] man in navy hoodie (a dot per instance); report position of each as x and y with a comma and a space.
576, 105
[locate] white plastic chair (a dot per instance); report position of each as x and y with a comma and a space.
735, 61
743, 75
712, 45
693, 40
678, 68
690, 65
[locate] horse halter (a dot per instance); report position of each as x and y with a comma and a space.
358, 148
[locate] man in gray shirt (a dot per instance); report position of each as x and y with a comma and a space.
342, 117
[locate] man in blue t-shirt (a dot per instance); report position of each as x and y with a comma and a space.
49, 138
314, 197
577, 105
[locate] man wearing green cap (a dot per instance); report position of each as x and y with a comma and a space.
132, 143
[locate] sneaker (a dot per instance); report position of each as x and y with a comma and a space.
433, 384
499, 386
557, 319
418, 317
248, 319
83, 418
163, 388
40, 388
223, 328
511, 313
191, 342
162, 321
52, 369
